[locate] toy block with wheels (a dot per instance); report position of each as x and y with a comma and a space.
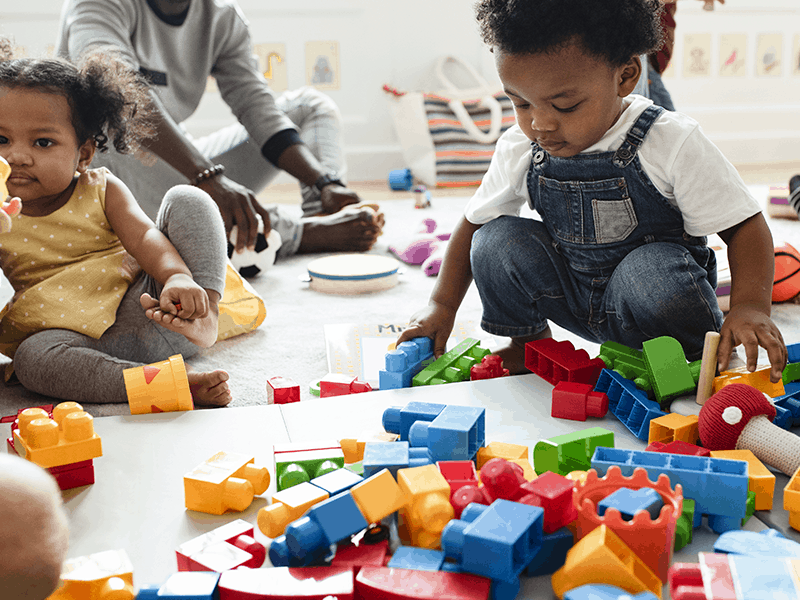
456, 433
282, 390
297, 463
227, 547
427, 509
159, 387
225, 482
96, 577
453, 365
404, 362
559, 361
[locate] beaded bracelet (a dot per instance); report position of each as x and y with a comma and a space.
208, 174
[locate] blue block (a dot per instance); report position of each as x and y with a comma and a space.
455, 434
790, 402
792, 388
496, 541
397, 419
405, 361
717, 485
337, 481
417, 559
769, 542
401, 179
783, 417
504, 590
183, 585
553, 553
628, 502
281, 556
392, 456
599, 591
762, 577
628, 403
794, 352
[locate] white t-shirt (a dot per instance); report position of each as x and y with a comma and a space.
683, 164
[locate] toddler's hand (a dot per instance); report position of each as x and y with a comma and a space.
183, 298
434, 321
10, 209
752, 327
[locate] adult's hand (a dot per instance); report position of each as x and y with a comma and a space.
335, 197
238, 206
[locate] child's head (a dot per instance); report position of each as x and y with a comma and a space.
34, 532
567, 64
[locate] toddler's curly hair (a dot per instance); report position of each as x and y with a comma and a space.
110, 101
614, 30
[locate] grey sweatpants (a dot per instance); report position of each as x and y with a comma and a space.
72, 366
320, 125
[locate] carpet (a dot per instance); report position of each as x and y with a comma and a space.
291, 341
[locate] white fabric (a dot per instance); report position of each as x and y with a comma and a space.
683, 164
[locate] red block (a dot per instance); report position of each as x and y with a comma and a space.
502, 479
559, 361
227, 547
282, 390
338, 384
285, 583
361, 555
678, 447
466, 495
576, 401
383, 583
491, 366
553, 492
458, 473
74, 475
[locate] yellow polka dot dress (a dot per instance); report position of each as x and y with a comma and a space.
66, 268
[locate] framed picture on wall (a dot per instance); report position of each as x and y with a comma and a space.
322, 65
697, 55
769, 59
796, 55
272, 63
732, 54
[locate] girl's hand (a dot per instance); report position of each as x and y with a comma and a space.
10, 209
183, 298
750, 326
434, 321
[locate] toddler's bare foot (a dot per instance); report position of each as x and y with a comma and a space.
209, 388
202, 332
513, 354
353, 229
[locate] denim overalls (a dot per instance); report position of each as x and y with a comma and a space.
610, 259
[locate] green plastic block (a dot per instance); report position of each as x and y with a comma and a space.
295, 467
751, 507
683, 529
571, 451
667, 367
791, 372
452, 366
694, 369
626, 361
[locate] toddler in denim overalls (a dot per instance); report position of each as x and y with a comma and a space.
626, 192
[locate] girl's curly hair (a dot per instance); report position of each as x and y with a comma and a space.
615, 30
110, 102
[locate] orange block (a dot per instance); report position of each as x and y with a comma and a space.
791, 500
674, 427
106, 574
288, 505
379, 496
160, 387
226, 481
501, 450
758, 379
427, 508
760, 479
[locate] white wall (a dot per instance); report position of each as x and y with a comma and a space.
754, 119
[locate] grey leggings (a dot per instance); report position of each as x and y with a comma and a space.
71, 366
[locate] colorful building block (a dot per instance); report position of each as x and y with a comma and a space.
490, 367
758, 379
458, 473
226, 481
455, 434
379, 496
570, 451
678, 447
761, 481
683, 528
400, 584
628, 362
453, 365
604, 592
299, 462
791, 500
500, 450
667, 368
197, 585
73, 475
553, 493
674, 427
559, 361
353, 448
399, 419
362, 551
553, 553
576, 401
418, 559
94, 576
283, 583
427, 509
227, 547
288, 505
392, 456
158, 387
718, 486
629, 502
767, 542
628, 403
404, 362
602, 557
282, 390
339, 384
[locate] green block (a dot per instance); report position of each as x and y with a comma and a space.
683, 530
667, 368
791, 372
452, 366
293, 468
626, 361
751, 507
571, 451
694, 369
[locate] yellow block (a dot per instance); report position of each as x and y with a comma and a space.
288, 505
602, 557
501, 450
67, 438
791, 500
758, 379
378, 497
428, 507
674, 427
226, 481
106, 574
159, 387
760, 479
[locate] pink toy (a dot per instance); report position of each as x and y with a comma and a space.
433, 263
422, 245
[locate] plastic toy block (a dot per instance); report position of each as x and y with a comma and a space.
65, 439
283, 583
758, 379
783, 418
793, 351
501, 478
378, 497
353, 448
768, 542
226, 547
602, 557
718, 486
559, 361
761, 480
296, 463
183, 586
455, 434
629, 502
280, 555
398, 419
453, 365
628, 362
226, 481
604, 592
527, 468
458, 473
159, 387
678, 447
73, 475
363, 553
628, 403
337, 481
791, 372
392, 456
404, 362
427, 508
95, 577
490, 367
339, 384
650, 539
287, 506
751, 507
282, 390
576, 401
500, 450
667, 368
570, 451
373, 583
418, 559
674, 427
552, 554
553, 493
683, 529
791, 500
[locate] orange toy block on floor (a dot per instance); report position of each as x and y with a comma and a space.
791, 500
378, 496
159, 387
674, 427
758, 379
428, 507
288, 505
353, 448
98, 576
501, 450
65, 439
226, 481
761, 481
